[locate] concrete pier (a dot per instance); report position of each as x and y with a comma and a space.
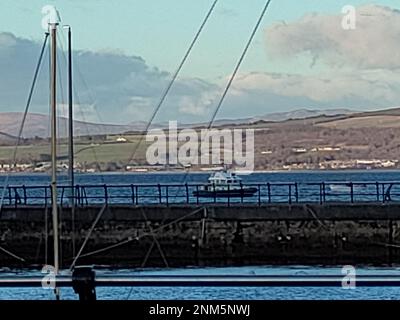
209, 235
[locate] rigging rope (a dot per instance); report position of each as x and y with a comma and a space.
145, 234
155, 242
92, 146
78, 101
61, 119
21, 127
172, 81
237, 67
88, 235
11, 254
232, 78
239, 63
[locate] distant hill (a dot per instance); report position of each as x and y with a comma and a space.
38, 125
302, 114
389, 118
7, 138
302, 139
281, 116
364, 122
383, 112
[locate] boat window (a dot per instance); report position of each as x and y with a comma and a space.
229, 181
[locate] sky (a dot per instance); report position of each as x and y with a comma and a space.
126, 51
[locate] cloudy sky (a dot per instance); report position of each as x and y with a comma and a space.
126, 51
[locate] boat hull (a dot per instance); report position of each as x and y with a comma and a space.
239, 193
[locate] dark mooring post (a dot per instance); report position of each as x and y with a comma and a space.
83, 283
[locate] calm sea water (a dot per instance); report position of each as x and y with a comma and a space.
120, 187
164, 178
220, 293
217, 293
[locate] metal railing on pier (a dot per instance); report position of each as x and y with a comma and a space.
167, 194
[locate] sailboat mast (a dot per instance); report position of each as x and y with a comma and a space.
70, 116
53, 102
71, 138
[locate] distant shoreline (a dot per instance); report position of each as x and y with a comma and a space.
201, 172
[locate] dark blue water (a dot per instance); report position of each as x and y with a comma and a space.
165, 178
218, 293
210, 293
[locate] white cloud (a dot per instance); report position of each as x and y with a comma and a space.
360, 70
376, 86
7, 39
201, 105
373, 44
110, 86
82, 112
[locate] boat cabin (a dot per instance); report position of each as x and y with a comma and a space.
223, 180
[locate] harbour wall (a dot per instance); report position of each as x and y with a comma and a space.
209, 235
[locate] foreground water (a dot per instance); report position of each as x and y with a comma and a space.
240, 293
220, 293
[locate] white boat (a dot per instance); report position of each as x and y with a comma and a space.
224, 183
